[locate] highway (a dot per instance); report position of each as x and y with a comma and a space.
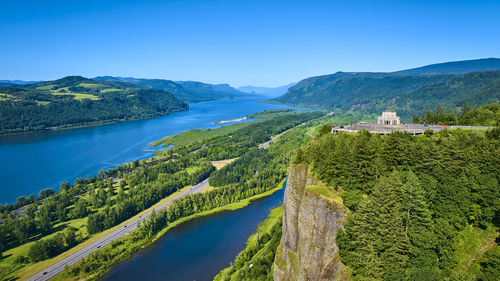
273, 139
56, 268
268, 143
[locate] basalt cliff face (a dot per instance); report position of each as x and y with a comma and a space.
313, 214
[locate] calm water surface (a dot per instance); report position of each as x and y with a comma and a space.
197, 249
31, 162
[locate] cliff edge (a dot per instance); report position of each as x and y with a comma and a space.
312, 215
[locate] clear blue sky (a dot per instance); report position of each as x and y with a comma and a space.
262, 43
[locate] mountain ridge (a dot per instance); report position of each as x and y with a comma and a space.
187, 91
408, 94
454, 67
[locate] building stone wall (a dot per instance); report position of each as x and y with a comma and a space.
389, 118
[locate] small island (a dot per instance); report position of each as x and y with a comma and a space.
229, 121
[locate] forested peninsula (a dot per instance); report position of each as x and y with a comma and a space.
77, 101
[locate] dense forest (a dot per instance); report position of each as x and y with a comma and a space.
488, 115
423, 207
77, 101
405, 93
189, 91
54, 222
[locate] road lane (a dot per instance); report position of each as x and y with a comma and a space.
56, 268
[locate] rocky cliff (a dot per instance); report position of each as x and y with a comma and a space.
313, 214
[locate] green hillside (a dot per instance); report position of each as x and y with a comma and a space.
212, 91
455, 67
408, 94
188, 91
476, 88
78, 101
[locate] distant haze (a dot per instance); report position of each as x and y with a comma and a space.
266, 91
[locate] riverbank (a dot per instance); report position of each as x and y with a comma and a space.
256, 260
90, 124
231, 207
128, 246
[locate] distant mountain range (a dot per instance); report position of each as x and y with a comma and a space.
188, 91
408, 91
267, 91
16, 82
454, 67
451, 84
78, 101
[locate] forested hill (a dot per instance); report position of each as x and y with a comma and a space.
421, 207
78, 101
185, 91
408, 94
455, 67
212, 91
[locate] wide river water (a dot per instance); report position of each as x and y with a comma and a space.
31, 162
197, 249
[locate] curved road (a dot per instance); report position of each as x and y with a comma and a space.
56, 268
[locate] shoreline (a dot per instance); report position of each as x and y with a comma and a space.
88, 125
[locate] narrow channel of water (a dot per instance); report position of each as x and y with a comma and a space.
197, 249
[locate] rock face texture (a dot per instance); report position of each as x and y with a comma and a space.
308, 250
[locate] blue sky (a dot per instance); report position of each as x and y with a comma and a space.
261, 43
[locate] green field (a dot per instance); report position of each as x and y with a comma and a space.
110, 90
193, 136
46, 87
77, 96
90, 85
7, 97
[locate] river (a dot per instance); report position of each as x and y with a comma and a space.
197, 249
33, 161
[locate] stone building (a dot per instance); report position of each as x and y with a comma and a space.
388, 118
389, 122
